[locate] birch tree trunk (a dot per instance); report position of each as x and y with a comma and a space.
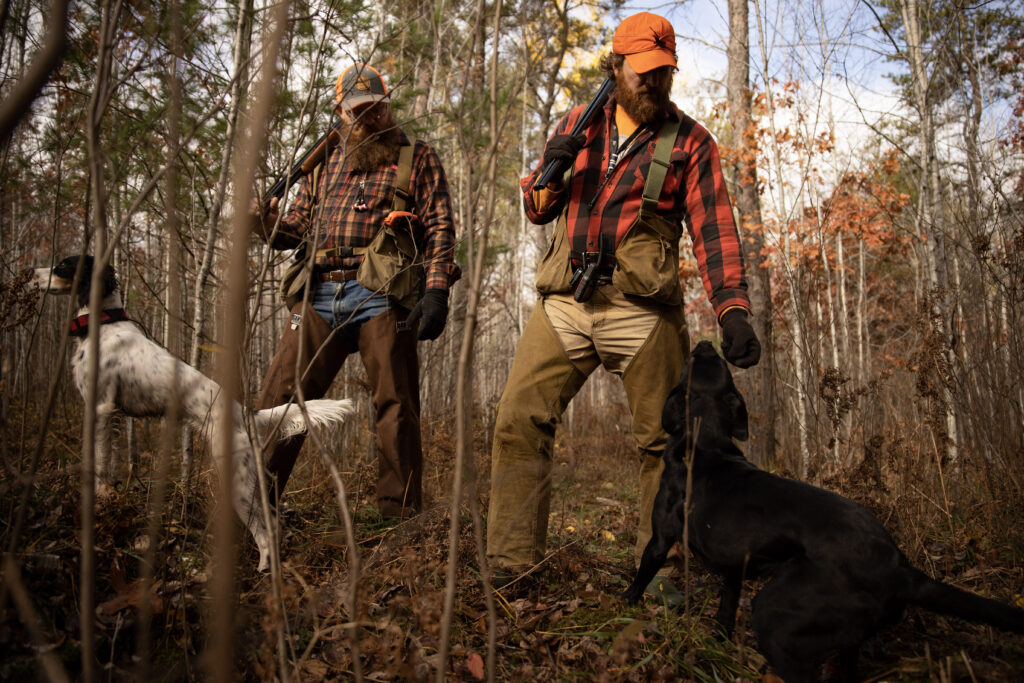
931, 205
243, 42
798, 347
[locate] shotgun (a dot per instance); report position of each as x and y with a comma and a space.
556, 168
304, 166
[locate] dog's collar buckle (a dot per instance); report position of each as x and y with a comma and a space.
80, 325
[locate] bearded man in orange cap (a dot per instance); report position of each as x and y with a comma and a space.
378, 198
609, 285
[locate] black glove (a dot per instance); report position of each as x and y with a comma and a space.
739, 341
563, 148
432, 311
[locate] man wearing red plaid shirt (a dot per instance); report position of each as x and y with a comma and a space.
610, 284
343, 213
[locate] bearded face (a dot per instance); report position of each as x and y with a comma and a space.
645, 97
369, 137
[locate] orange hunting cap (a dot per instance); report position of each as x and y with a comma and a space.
647, 40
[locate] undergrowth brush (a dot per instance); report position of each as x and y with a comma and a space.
566, 622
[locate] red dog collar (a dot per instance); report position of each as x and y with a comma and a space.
80, 325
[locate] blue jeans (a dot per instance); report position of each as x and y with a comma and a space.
347, 306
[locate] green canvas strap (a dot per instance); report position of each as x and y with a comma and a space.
402, 196
659, 165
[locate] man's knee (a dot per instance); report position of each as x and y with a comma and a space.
519, 418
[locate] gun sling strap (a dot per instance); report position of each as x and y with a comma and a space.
659, 165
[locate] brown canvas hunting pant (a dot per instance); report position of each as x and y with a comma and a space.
643, 342
312, 353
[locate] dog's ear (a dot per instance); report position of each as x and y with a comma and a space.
110, 283
738, 413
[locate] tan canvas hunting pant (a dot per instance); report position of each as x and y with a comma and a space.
643, 342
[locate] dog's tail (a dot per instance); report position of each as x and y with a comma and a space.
324, 415
945, 599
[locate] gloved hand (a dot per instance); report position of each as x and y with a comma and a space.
739, 341
563, 148
432, 312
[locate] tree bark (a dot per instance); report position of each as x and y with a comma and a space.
931, 190
748, 208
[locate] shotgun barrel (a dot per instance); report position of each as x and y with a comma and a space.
556, 168
304, 166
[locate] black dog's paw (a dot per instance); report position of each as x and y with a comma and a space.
720, 632
632, 594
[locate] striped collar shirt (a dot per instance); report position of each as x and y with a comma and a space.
694, 195
353, 205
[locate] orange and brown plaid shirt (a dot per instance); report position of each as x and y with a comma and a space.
353, 205
694, 193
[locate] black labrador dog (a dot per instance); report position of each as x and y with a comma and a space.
835, 575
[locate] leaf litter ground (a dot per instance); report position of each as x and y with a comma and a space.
564, 622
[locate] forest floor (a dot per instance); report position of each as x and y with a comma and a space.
565, 622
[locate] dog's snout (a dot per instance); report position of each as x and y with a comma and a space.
704, 349
49, 281
41, 277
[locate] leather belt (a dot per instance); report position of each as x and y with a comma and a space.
581, 259
338, 275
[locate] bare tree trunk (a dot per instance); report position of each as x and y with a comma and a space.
748, 206
100, 99
248, 151
796, 322
464, 458
243, 41
172, 420
18, 99
932, 207
239, 86
863, 351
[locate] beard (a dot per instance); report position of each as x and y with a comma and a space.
645, 104
369, 145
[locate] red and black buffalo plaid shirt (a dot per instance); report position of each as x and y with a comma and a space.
353, 205
694, 193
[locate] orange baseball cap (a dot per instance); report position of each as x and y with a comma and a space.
647, 41
359, 84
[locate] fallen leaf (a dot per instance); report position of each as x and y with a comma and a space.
132, 596
315, 668
475, 666
626, 640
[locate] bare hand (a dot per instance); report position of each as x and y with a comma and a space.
263, 220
